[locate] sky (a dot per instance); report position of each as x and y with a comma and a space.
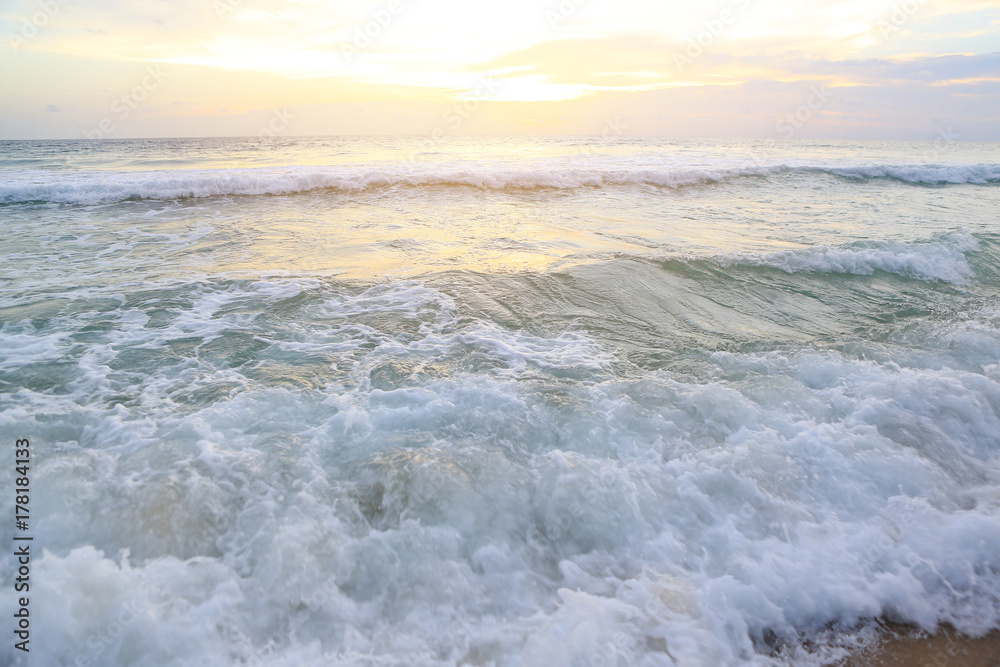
858, 69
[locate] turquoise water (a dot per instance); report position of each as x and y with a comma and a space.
363, 401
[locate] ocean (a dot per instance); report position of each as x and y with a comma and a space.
497, 401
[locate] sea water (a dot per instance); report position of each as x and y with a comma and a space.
555, 401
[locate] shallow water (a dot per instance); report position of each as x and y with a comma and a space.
500, 401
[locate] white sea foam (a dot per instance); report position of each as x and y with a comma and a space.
943, 259
100, 188
240, 459
489, 510
108, 187
930, 174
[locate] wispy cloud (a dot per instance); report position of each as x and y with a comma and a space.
262, 54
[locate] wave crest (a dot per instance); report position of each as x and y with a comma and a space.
91, 188
943, 259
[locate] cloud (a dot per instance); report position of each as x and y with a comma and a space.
691, 64
880, 71
647, 61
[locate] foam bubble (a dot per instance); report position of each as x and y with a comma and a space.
979, 174
937, 260
453, 490
90, 188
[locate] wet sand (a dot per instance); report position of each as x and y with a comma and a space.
903, 646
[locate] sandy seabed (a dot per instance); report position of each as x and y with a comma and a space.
903, 646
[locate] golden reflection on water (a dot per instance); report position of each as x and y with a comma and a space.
399, 232
365, 245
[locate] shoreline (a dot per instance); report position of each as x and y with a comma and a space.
908, 646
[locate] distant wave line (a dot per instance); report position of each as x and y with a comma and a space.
99, 187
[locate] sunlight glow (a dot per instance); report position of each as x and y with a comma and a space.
249, 56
